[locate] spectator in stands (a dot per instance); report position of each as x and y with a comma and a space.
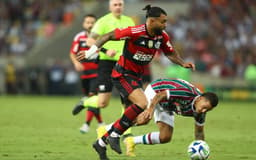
250, 72
10, 78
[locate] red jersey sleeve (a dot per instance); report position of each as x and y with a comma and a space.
123, 33
166, 45
75, 46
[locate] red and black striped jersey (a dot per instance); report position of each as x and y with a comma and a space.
139, 48
90, 66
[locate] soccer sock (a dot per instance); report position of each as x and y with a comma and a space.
122, 124
98, 116
102, 143
128, 132
91, 101
89, 116
108, 127
109, 130
149, 138
96, 112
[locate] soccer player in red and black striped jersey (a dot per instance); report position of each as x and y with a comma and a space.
141, 44
88, 70
166, 97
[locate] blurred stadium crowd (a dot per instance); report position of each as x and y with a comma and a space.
26, 22
218, 35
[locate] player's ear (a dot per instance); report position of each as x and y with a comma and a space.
198, 99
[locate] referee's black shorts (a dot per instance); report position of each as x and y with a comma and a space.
89, 86
104, 75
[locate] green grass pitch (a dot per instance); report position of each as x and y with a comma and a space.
42, 128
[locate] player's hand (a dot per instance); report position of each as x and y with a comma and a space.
111, 52
80, 56
148, 113
189, 65
78, 66
141, 120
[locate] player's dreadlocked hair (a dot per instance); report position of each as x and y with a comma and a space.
154, 11
212, 97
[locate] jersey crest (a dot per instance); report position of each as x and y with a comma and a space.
148, 43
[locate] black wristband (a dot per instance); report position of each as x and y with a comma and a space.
104, 50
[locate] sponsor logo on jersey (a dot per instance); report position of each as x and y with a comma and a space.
140, 56
150, 44
157, 45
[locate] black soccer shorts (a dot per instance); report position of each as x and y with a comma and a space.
125, 85
89, 86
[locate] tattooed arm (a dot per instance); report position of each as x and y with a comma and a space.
104, 38
199, 132
175, 58
92, 52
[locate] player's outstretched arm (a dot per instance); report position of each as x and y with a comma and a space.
104, 38
175, 58
92, 53
199, 132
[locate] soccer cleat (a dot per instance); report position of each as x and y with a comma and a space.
79, 106
85, 128
102, 151
114, 143
130, 146
101, 131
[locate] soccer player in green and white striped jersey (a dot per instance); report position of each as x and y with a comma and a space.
169, 96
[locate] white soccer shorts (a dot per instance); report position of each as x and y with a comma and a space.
159, 114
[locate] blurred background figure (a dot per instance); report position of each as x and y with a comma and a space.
10, 79
33, 79
55, 78
250, 72
88, 70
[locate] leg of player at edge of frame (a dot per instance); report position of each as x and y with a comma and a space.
85, 102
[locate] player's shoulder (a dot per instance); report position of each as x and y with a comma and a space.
138, 28
79, 35
165, 34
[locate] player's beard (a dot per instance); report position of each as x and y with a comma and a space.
158, 31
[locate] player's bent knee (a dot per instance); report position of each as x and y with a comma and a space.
143, 105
